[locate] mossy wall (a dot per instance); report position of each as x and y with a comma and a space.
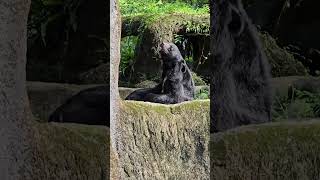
164, 141
156, 29
44, 97
282, 63
172, 142
283, 151
70, 151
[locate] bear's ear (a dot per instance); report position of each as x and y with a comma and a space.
236, 24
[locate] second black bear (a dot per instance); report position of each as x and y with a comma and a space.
89, 106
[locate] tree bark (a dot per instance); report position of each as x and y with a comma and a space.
115, 38
14, 106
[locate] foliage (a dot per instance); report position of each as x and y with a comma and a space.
202, 28
184, 46
198, 81
138, 7
202, 94
146, 84
302, 104
154, 18
194, 3
45, 12
310, 98
128, 45
282, 62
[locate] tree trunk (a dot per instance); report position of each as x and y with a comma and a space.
14, 106
115, 38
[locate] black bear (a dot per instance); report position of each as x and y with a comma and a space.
240, 81
176, 83
90, 106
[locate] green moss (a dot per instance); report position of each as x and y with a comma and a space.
70, 151
193, 106
146, 84
137, 107
198, 81
146, 7
164, 23
282, 63
170, 139
273, 151
154, 16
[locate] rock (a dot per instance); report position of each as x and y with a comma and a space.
124, 92
280, 85
310, 58
310, 84
70, 151
270, 151
291, 22
146, 84
97, 75
283, 85
44, 98
90, 106
164, 141
282, 63
148, 65
157, 29
198, 81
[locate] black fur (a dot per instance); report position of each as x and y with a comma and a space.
240, 82
176, 84
89, 106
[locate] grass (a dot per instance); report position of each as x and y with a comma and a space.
150, 11
302, 105
152, 7
127, 52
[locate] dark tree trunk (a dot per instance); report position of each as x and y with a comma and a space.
14, 106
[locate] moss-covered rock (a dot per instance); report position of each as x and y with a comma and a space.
271, 151
307, 83
164, 141
198, 81
70, 151
97, 75
155, 29
280, 85
44, 97
146, 84
124, 92
282, 63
